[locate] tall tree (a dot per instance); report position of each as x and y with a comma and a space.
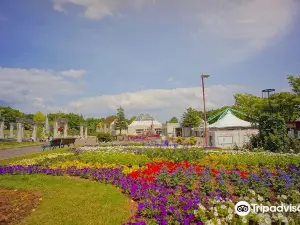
191, 118
287, 105
120, 123
295, 84
10, 114
39, 117
252, 106
173, 120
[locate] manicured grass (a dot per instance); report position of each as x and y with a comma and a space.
72, 201
46, 152
7, 145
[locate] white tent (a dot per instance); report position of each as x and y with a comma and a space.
230, 121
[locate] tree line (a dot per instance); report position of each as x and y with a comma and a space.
286, 104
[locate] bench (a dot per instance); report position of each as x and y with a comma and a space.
59, 142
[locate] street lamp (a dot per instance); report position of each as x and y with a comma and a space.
204, 109
268, 91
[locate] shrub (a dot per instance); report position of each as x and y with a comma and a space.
179, 140
104, 137
193, 140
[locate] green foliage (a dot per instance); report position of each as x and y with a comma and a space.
272, 133
193, 140
120, 123
131, 120
173, 120
180, 140
191, 118
10, 114
175, 155
125, 159
104, 137
251, 105
39, 117
295, 84
287, 104
92, 123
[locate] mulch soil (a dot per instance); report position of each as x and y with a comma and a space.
15, 205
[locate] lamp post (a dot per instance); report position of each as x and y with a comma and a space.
204, 109
268, 91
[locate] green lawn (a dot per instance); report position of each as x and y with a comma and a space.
72, 201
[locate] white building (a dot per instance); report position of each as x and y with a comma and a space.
172, 129
229, 131
143, 124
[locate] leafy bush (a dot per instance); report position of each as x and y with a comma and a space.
104, 137
175, 155
294, 144
179, 140
272, 134
193, 140
127, 159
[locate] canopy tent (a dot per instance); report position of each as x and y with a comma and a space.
229, 120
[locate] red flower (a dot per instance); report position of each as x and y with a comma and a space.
215, 172
244, 174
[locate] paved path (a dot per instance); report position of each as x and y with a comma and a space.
15, 152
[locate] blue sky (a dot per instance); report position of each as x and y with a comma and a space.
92, 56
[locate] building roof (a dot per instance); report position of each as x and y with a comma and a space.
229, 121
144, 120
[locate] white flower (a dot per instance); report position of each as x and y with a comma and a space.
244, 220
216, 214
280, 216
252, 191
230, 216
252, 200
219, 222
260, 198
223, 207
284, 197
230, 210
268, 219
246, 198
285, 220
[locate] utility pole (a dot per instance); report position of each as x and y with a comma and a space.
205, 133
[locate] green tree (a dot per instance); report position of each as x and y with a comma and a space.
191, 118
173, 120
252, 106
295, 84
39, 117
287, 105
272, 133
120, 123
129, 121
10, 114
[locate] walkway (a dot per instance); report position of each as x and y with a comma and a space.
15, 152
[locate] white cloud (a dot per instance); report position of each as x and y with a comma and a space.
162, 103
226, 30
36, 89
98, 9
73, 73
240, 29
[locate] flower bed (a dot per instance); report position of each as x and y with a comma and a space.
187, 193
